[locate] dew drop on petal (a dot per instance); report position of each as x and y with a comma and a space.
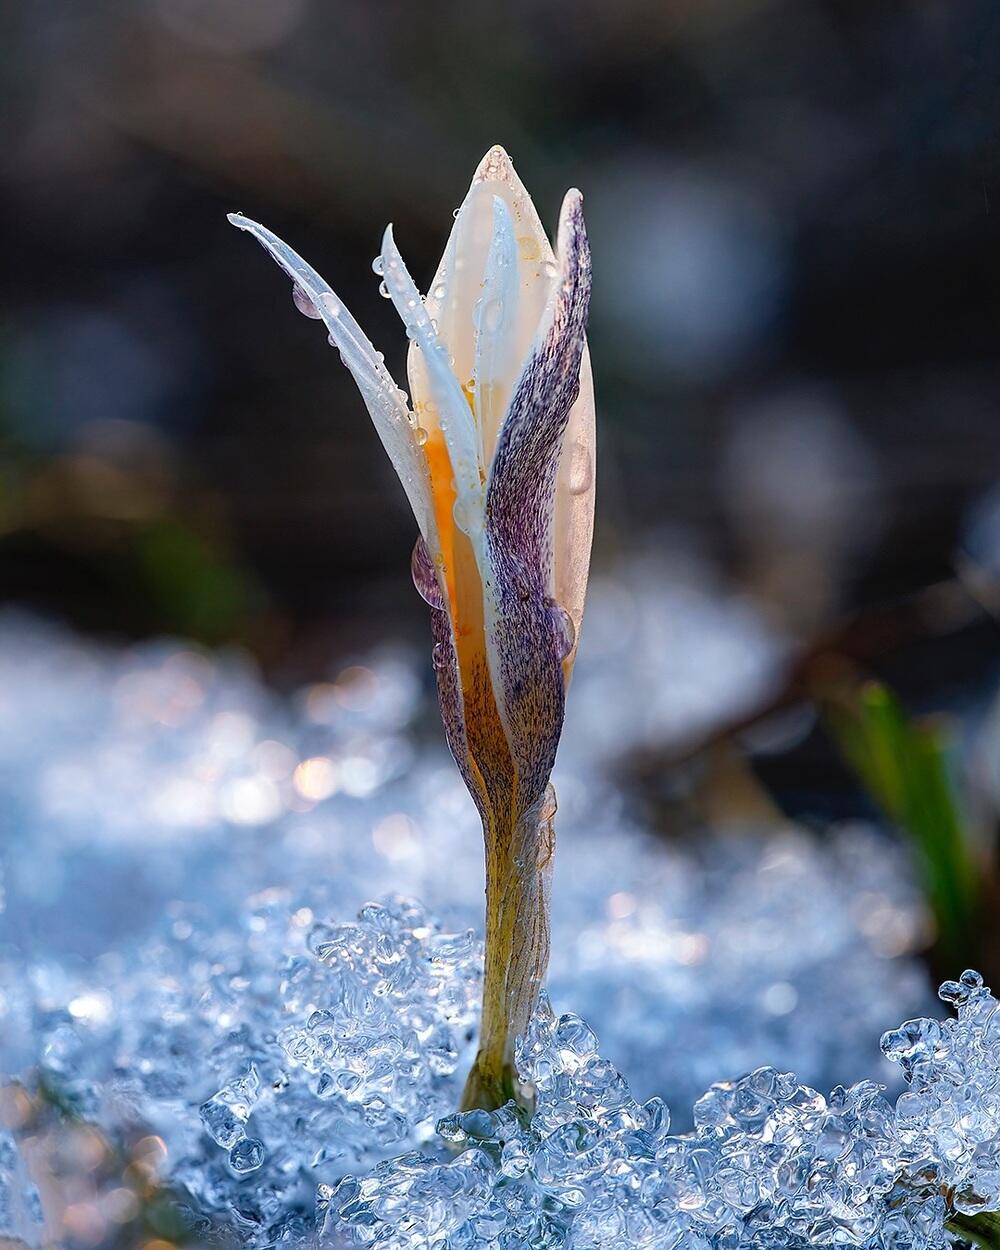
425, 576
421, 435
462, 515
383, 290
563, 629
439, 291
439, 655
581, 469
492, 314
304, 304
378, 265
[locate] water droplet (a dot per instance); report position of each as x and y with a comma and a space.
440, 656
492, 314
425, 576
455, 212
383, 290
463, 516
439, 291
304, 304
563, 629
331, 340
421, 436
581, 469
378, 266
551, 269
332, 305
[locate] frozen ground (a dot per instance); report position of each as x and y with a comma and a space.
185, 858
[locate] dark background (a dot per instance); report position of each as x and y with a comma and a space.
793, 207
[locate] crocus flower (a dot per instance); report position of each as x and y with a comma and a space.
495, 451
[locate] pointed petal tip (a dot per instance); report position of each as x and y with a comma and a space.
572, 204
571, 222
239, 221
496, 166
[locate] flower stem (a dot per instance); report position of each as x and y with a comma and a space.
518, 875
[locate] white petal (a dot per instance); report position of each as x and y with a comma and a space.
453, 412
385, 401
536, 261
573, 524
497, 360
457, 286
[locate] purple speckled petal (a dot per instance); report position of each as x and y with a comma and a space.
525, 650
449, 686
449, 683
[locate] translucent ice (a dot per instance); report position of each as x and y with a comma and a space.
20, 1203
182, 955
769, 1163
157, 787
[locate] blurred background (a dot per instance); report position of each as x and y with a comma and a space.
793, 207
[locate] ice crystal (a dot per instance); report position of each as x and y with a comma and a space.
156, 788
20, 1203
770, 1162
182, 856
